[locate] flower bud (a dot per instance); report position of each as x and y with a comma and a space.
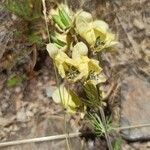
52, 50
80, 49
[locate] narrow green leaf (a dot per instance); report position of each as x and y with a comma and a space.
64, 17
57, 41
58, 21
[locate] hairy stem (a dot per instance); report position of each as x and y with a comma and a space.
55, 69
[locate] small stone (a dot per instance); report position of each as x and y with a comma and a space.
4, 106
29, 114
39, 84
2, 134
138, 24
135, 108
5, 121
148, 144
1, 113
14, 17
49, 91
18, 89
12, 133
34, 110
90, 144
8, 129
21, 115
46, 78
15, 128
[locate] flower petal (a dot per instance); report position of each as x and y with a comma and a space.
100, 26
82, 22
61, 61
67, 98
52, 50
80, 49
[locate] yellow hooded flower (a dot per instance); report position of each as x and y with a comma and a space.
96, 33
76, 68
52, 50
86, 66
64, 64
67, 98
80, 49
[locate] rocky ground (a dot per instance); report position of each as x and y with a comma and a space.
27, 110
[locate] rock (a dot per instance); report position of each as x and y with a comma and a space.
138, 24
1, 113
49, 91
4, 106
6, 121
29, 114
15, 128
135, 107
2, 134
21, 115
18, 89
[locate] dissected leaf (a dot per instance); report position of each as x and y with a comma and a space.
98, 126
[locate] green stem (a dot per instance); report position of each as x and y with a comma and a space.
55, 69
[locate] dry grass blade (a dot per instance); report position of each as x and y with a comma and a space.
132, 127
41, 139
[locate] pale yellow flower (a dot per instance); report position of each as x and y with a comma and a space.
64, 64
76, 68
85, 66
95, 32
67, 98
80, 49
52, 50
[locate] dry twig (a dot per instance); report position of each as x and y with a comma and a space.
41, 139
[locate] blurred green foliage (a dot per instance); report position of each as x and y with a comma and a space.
29, 10
117, 144
29, 29
15, 80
